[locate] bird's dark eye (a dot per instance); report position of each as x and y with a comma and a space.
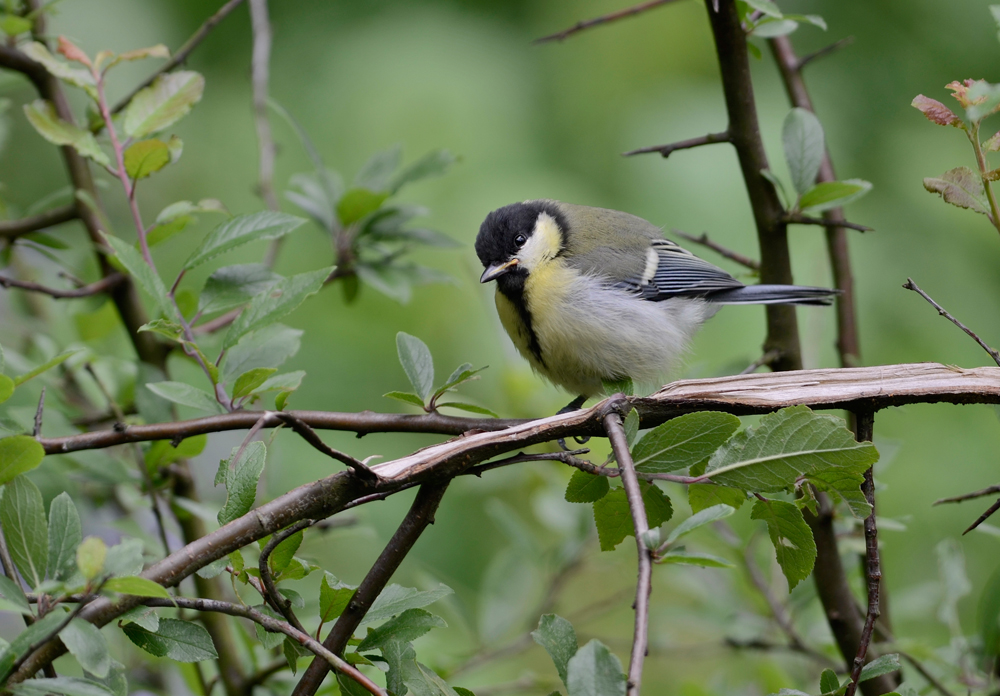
520, 240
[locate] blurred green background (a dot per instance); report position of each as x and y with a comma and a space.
550, 121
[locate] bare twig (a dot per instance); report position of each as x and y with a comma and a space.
799, 219
910, 285
309, 435
420, 515
719, 249
970, 496
644, 582
983, 517
37, 430
925, 673
182, 53
12, 229
823, 52
103, 285
604, 19
667, 150
766, 359
274, 597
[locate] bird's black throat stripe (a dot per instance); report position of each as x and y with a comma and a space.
512, 286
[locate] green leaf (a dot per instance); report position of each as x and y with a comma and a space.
395, 600
144, 616
241, 480
357, 203
22, 516
699, 519
179, 640
586, 488
87, 644
146, 157
415, 357
407, 626
233, 286
164, 452
157, 51
19, 454
13, 597
42, 115
828, 681
270, 640
376, 172
249, 381
124, 559
595, 671
702, 496
272, 304
186, 395
882, 665
63, 686
240, 230
791, 536
631, 427
13, 25
683, 441
90, 556
769, 28
285, 382
802, 139
46, 366
471, 408
462, 373
400, 658
833, 194
185, 208
768, 7
270, 346
988, 615
164, 327
24, 640
433, 163
65, 535
78, 77
6, 388
961, 187
283, 553
333, 597
776, 182
614, 520
137, 267
704, 560
135, 585
815, 20
406, 397
557, 636
163, 103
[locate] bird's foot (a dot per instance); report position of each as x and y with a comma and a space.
574, 405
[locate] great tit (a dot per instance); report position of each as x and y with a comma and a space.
591, 296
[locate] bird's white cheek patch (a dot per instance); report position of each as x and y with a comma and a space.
543, 244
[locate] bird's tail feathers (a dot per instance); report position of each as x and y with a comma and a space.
774, 294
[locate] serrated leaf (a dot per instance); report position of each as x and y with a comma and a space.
407, 626
961, 187
471, 408
179, 640
233, 286
135, 585
791, 536
415, 357
433, 163
833, 194
43, 117
65, 535
802, 139
186, 395
145, 276
240, 230
87, 644
935, 111
405, 397
164, 327
557, 636
22, 515
282, 298
269, 346
90, 557
882, 665
144, 616
702, 496
6, 388
163, 103
699, 519
586, 488
249, 381
241, 478
146, 157
704, 560
614, 519
395, 599
631, 427
683, 442
595, 671
333, 597
19, 454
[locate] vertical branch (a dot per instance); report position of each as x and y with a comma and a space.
644, 582
420, 515
744, 132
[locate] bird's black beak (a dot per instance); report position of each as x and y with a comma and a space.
495, 270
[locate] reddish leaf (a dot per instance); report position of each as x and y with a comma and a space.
935, 111
72, 51
960, 91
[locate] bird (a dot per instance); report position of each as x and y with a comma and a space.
592, 296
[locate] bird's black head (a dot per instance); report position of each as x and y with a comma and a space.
506, 231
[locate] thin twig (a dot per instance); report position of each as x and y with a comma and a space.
739, 258
274, 597
910, 285
37, 431
604, 19
766, 359
103, 285
309, 435
983, 517
799, 219
182, 53
925, 673
666, 150
565, 456
970, 496
12, 229
825, 51
644, 582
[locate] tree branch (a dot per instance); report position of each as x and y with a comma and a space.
910, 285
830, 221
970, 496
12, 229
101, 286
739, 258
420, 515
604, 19
275, 598
667, 150
823, 52
644, 581
310, 436
983, 517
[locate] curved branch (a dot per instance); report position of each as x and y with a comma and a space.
12, 229
103, 285
275, 598
603, 19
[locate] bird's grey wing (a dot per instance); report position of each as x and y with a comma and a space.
679, 272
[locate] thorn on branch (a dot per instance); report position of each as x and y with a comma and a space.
104, 285
985, 516
37, 432
823, 52
603, 19
703, 240
910, 285
363, 471
667, 150
799, 219
12, 229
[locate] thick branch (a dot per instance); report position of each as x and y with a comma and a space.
910, 285
604, 19
420, 515
739, 258
103, 285
667, 150
12, 229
